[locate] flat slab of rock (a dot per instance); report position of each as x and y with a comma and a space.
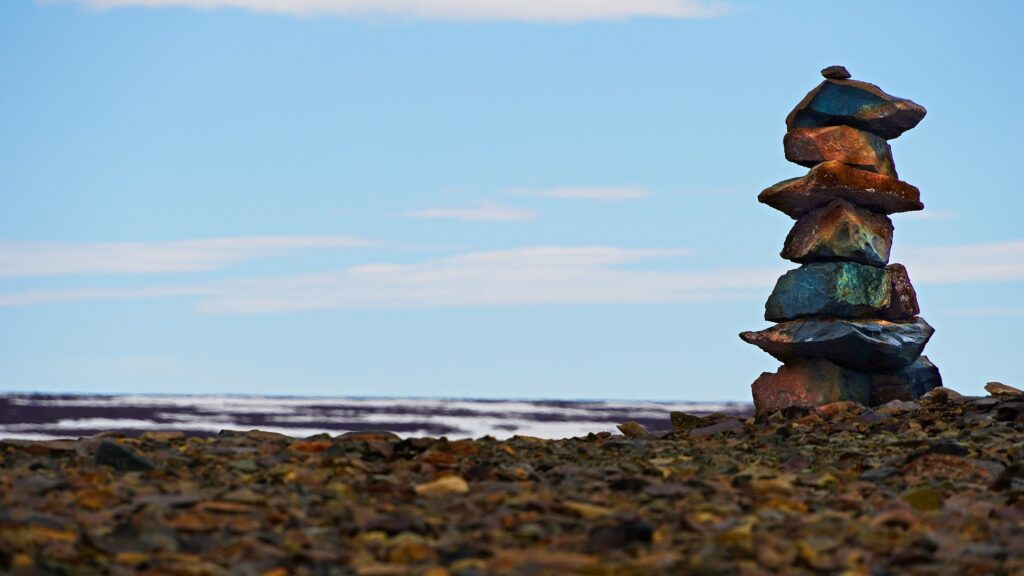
857, 148
840, 230
839, 101
830, 180
1003, 390
842, 289
808, 383
909, 383
902, 296
865, 345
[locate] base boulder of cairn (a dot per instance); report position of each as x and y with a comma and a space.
808, 383
848, 325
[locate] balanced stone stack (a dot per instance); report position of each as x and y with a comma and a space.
847, 320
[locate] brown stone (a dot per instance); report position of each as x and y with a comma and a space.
808, 383
836, 73
830, 180
902, 296
1003, 390
857, 148
634, 430
840, 230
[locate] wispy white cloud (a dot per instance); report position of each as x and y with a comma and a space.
480, 212
991, 311
960, 264
524, 276
928, 214
466, 10
528, 276
583, 193
55, 258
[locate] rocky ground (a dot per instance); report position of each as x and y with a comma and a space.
933, 487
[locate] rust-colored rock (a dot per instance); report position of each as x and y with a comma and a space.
857, 148
902, 296
840, 101
808, 383
840, 230
830, 180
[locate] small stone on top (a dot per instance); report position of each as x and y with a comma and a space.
836, 73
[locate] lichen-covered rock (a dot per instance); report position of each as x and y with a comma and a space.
840, 230
865, 345
908, 383
857, 148
842, 289
808, 383
830, 180
862, 105
902, 296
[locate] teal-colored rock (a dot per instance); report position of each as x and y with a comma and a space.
841, 289
861, 105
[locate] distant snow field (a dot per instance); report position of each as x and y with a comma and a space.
45, 416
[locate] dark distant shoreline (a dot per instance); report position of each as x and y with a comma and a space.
41, 416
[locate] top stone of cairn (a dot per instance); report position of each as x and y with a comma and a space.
836, 73
842, 101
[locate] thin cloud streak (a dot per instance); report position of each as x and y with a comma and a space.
528, 276
988, 312
563, 11
481, 212
26, 259
583, 193
929, 215
518, 277
964, 264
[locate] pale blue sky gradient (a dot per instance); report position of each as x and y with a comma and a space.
223, 200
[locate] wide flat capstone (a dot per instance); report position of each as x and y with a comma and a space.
865, 345
830, 180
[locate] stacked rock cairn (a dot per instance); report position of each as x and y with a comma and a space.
847, 320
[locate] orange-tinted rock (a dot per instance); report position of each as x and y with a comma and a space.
808, 383
840, 101
857, 148
840, 231
830, 180
902, 296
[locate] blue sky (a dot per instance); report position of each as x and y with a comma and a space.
485, 198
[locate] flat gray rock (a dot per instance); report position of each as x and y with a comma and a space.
864, 345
